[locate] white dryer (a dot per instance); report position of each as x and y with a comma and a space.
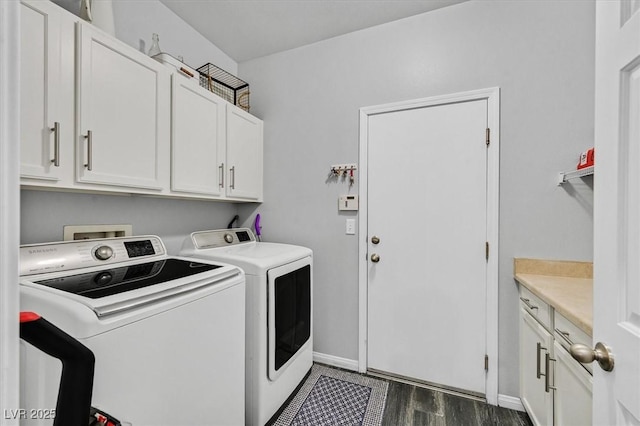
279, 309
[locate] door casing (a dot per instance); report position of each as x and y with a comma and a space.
492, 95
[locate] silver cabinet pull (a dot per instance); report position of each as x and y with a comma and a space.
547, 361
528, 303
89, 138
565, 335
539, 347
375, 240
232, 171
601, 353
221, 167
56, 144
375, 258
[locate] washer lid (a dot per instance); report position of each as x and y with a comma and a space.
129, 287
108, 282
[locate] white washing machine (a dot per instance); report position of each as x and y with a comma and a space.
279, 308
167, 332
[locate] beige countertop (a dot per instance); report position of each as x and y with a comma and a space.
566, 286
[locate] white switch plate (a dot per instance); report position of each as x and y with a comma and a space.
351, 227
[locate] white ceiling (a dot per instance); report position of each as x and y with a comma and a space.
248, 29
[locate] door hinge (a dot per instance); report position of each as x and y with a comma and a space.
488, 140
486, 363
486, 250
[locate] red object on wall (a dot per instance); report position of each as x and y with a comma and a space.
587, 159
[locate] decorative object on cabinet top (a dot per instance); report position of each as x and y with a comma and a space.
565, 285
225, 85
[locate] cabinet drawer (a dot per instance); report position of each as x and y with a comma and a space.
536, 307
567, 333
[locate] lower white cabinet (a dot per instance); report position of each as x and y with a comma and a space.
535, 347
555, 389
573, 389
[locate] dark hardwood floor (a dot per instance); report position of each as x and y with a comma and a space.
409, 405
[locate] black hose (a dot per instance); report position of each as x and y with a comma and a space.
235, 219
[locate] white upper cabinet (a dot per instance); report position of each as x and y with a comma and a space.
244, 154
123, 114
97, 115
197, 139
46, 88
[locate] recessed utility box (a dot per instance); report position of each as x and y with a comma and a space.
89, 232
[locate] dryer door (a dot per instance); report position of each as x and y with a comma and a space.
289, 313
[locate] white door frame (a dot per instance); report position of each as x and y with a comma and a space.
10, 202
492, 95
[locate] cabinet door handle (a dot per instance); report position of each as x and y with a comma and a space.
539, 347
528, 303
221, 167
56, 144
547, 362
89, 138
232, 171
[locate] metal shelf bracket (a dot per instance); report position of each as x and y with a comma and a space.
574, 174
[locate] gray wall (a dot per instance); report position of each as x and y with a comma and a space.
541, 55
45, 213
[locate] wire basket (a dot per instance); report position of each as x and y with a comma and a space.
225, 85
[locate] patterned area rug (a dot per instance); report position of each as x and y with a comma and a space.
335, 397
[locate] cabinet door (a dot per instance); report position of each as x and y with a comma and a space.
535, 342
197, 139
573, 388
123, 114
244, 154
46, 92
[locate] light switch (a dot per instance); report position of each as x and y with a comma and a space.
351, 227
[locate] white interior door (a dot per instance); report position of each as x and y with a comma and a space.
427, 275
616, 310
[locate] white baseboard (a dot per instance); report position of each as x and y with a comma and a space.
510, 402
336, 361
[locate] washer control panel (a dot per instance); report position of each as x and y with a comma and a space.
68, 255
222, 237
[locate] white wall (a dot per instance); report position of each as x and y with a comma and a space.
541, 55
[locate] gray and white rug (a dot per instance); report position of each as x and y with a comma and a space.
335, 397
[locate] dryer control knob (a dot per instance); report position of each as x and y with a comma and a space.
103, 253
228, 238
